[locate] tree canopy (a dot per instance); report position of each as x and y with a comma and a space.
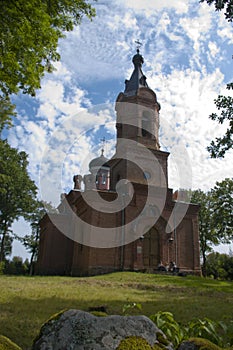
29, 34
31, 241
226, 5
17, 192
215, 216
224, 104
222, 209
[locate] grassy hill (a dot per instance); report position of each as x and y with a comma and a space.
27, 302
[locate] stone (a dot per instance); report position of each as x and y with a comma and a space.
80, 330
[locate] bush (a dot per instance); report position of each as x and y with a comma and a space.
219, 266
16, 266
216, 332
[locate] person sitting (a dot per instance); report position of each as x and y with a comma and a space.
161, 267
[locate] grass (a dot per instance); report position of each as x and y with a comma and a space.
27, 302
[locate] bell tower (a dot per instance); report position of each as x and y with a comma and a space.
137, 125
138, 109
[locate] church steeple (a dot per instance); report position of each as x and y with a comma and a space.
138, 109
137, 79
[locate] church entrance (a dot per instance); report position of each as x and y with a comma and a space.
151, 256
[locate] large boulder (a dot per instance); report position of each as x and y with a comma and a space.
80, 330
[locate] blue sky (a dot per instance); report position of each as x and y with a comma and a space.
187, 50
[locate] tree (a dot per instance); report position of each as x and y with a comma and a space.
17, 192
215, 216
219, 266
222, 209
214, 265
207, 234
221, 145
226, 5
29, 34
16, 266
6, 112
31, 241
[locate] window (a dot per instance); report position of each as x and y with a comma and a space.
103, 179
146, 124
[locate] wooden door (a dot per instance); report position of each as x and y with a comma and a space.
151, 256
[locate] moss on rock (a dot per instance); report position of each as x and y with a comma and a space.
51, 320
99, 313
134, 343
203, 344
7, 344
137, 343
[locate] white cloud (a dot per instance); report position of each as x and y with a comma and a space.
183, 43
226, 34
187, 98
180, 6
214, 50
224, 29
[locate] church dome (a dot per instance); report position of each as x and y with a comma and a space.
98, 162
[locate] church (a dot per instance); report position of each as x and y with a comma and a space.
122, 216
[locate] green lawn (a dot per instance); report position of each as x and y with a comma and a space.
27, 302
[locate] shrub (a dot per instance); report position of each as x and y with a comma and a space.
216, 332
173, 331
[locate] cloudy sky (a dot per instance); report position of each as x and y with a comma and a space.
187, 50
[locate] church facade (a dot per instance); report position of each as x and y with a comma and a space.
126, 217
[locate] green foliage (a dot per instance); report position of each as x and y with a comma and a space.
17, 192
222, 209
16, 266
7, 111
172, 329
7, 344
131, 306
225, 5
207, 233
207, 329
215, 216
186, 298
29, 34
221, 145
216, 332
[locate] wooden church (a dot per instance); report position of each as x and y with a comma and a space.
123, 216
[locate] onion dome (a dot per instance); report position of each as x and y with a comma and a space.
99, 161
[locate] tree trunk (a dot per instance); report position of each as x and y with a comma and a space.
204, 264
2, 246
31, 265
